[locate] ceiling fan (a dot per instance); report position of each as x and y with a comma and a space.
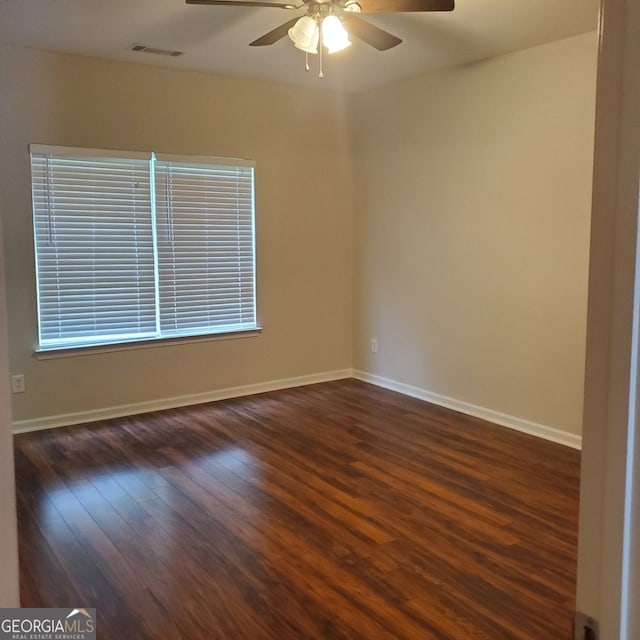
329, 23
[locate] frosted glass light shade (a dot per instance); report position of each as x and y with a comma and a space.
334, 35
305, 34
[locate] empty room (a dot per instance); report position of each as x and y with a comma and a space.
297, 305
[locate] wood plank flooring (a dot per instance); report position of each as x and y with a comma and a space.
334, 511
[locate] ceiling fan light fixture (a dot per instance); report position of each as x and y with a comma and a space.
334, 35
322, 25
305, 34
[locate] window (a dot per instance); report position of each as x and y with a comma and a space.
141, 246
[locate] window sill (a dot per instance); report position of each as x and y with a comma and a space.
69, 352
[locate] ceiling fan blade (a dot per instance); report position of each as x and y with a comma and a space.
369, 33
381, 6
249, 3
274, 35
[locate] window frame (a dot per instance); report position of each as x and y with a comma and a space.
65, 346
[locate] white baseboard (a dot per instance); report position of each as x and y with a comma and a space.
503, 419
68, 419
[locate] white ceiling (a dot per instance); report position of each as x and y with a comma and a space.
215, 38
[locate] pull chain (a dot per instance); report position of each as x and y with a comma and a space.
320, 47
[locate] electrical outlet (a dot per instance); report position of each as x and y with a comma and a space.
374, 345
585, 627
17, 383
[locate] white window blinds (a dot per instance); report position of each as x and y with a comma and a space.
205, 246
133, 248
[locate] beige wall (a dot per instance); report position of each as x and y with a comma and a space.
304, 220
9, 593
472, 197
469, 251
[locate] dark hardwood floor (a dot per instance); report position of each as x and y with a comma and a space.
331, 511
